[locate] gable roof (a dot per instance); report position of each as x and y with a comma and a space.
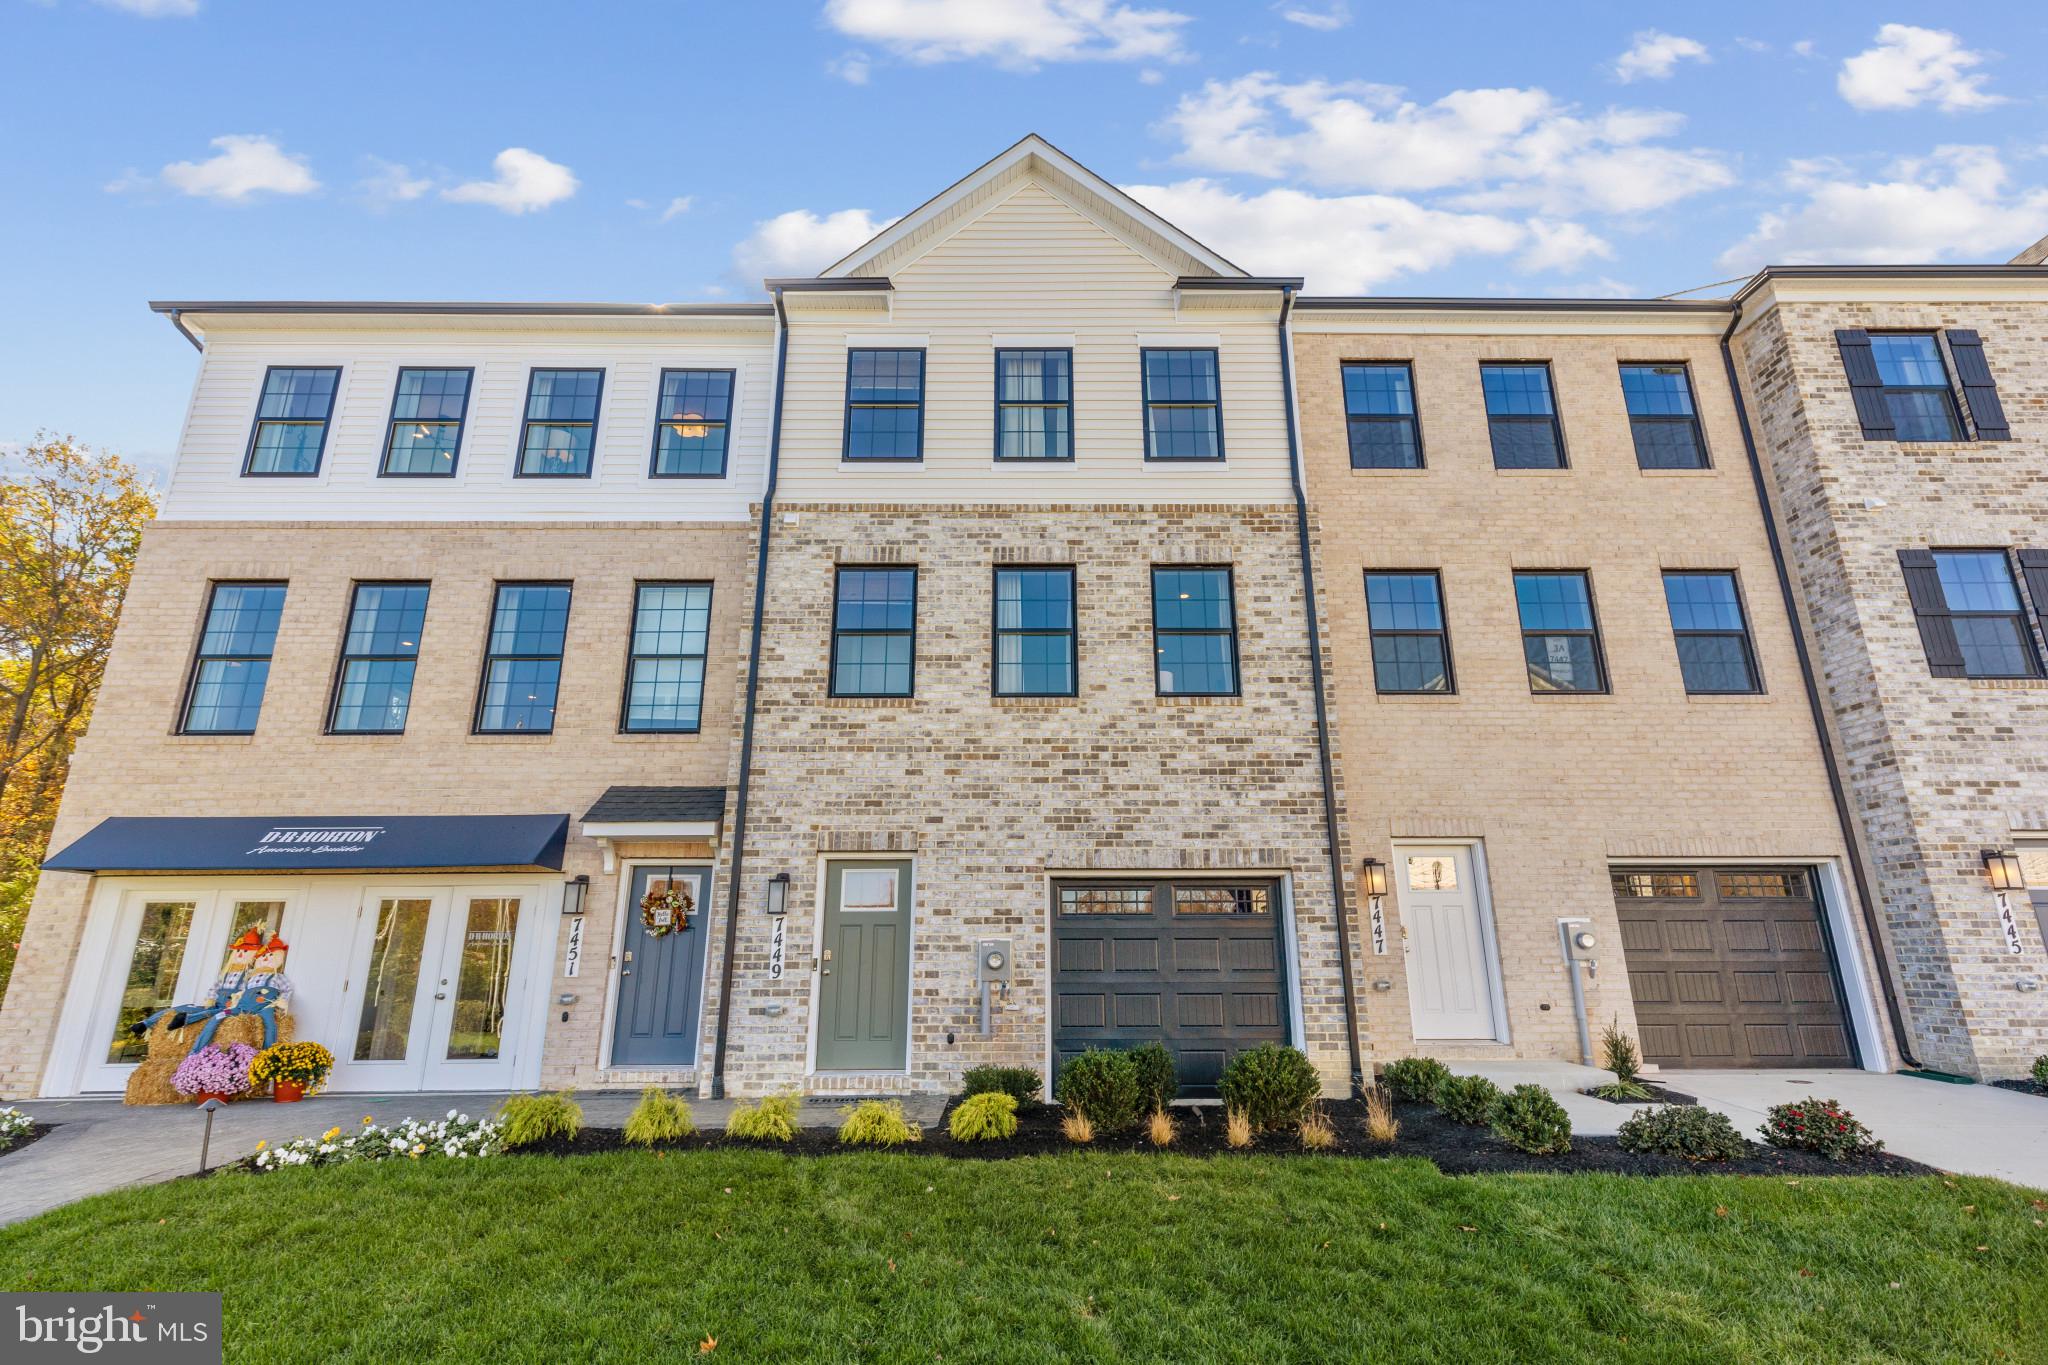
1031, 155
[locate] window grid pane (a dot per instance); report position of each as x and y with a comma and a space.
1194, 632
523, 665
1662, 418
426, 423
884, 405
233, 662
1183, 412
1917, 390
874, 632
1558, 640
1035, 632
665, 678
560, 430
691, 428
1034, 405
1521, 417
1410, 651
1986, 613
291, 421
378, 656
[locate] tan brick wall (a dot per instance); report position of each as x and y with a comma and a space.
1559, 788
132, 762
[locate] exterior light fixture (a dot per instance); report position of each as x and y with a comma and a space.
778, 895
1375, 877
573, 892
2003, 867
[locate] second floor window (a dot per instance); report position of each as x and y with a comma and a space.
1194, 632
690, 429
1379, 411
665, 676
1916, 386
373, 691
523, 659
560, 431
884, 405
291, 421
874, 632
1410, 647
1559, 637
1035, 632
426, 423
1970, 614
1183, 406
1714, 653
1035, 405
1521, 416
233, 662
1661, 417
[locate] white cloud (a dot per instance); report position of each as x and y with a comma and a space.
1151, 76
526, 181
1803, 48
1912, 66
155, 9
1494, 148
1561, 246
1654, 56
1957, 203
246, 164
802, 243
391, 182
677, 207
1325, 18
851, 67
1019, 34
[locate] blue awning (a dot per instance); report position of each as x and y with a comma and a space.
349, 843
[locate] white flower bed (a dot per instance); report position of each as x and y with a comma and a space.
14, 1126
457, 1135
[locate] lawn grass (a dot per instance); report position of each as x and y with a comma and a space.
633, 1256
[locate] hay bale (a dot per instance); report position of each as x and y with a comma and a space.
165, 1041
248, 1028
150, 1082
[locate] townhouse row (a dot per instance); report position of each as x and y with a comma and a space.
1034, 632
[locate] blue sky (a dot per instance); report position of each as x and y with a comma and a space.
680, 149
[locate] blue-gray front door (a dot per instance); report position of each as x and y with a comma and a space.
661, 978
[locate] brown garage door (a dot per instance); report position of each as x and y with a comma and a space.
1730, 967
1193, 965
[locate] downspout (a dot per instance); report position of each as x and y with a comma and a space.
739, 815
1315, 665
178, 321
1857, 872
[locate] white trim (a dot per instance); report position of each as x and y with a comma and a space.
888, 341
811, 1071
650, 829
1180, 341
1297, 1021
1489, 938
1029, 341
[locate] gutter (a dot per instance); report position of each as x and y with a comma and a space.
1338, 905
1857, 871
734, 877
177, 317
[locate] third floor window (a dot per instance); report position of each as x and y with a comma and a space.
559, 434
884, 405
1183, 405
1521, 416
291, 421
1661, 417
1916, 386
691, 427
426, 423
1035, 405
1379, 412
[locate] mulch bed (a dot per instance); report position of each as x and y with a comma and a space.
35, 1132
1658, 1095
2025, 1087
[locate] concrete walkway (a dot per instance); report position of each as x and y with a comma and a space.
101, 1145
1967, 1129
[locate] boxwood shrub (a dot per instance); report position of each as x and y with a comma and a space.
1529, 1119
1271, 1085
1103, 1084
1415, 1078
1020, 1083
1694, 1132
1158, 1080
1467, 1099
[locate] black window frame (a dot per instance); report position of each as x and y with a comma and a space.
1413, 418
343, 658
1692, 394
1229, 573
732, 388
476, 723
997, 630
839, 571
527, 421
1146, 404
846, 455
1005, 403
634, 656
1606, 687
1947, 388
1564, 458
1746, 635
1442, 633
200, 659
249, 470
2019, 615
391, 421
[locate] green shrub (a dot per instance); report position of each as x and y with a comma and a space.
878, 1123
990, 1116
533, 1119
659, 1117
1415, 1078
1694, 1132
1271, 1085
772, 1119
1467, 1099
1021, 1083
1817, 1125
2041, 1072
1529, 1119
1158, 1079
1103, 1084
1618, 1054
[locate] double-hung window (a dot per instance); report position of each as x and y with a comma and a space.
874, 632
1035, 405
665, 675
1410, 645
559, 434
1183, 405
523, 659
1379, 412
373, 690
1662, 418
1970, 613
1194, 632
884, 405
291, 421
426, 423
1560, 639
1521, 416
233, 662
1035, 632
690, 428
1916, 386
1714, 650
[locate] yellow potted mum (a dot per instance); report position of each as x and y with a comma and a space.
291, 1069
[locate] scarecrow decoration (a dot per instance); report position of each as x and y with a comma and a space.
246, 1005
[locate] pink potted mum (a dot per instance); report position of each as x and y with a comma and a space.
214, 1073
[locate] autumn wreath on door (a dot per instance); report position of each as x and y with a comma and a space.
665, 909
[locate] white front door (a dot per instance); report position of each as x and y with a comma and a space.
1450, 969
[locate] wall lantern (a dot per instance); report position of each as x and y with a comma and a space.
573, 892
1375, 877
778, 894
2003, 868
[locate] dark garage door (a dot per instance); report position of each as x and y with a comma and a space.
1729, 967
1194, 965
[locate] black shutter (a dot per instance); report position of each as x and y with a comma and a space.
1865, 386
1930, 608
2034, 568
1980, 390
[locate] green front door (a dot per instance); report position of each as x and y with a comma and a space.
864, 967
